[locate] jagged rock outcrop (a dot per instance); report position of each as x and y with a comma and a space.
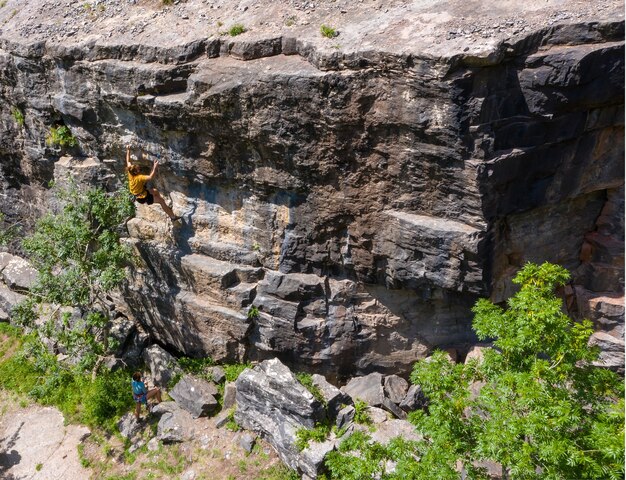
271, 401
346, 201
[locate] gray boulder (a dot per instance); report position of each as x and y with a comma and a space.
175, 424
396, 388
312, 458
391, 429
611, 351
247, 442
368, 388
414, 399
345, 416
217, 374
230, 392
163, 366
393, 408
195, 395
335, 398
128, 426
272, 402
16, 272
9, 299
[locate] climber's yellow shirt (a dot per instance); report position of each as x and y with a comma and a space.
137, 185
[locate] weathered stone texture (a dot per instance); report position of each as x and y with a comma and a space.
360, 198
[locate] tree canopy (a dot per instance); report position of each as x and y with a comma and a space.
534, 407
79, 258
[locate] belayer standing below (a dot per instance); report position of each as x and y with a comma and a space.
141, 394
143, 194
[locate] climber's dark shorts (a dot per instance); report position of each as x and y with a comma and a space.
148, 199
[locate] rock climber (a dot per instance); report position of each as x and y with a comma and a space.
143, 194
141, 394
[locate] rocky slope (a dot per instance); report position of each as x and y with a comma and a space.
360, 192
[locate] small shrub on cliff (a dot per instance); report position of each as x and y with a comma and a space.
233, 370
236, 29
18, 116
328, 32
61, 137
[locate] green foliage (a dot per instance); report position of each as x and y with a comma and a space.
61, 136
328, 32
542, 406
7, 233
18, 116
317, 434
277, 472
231, 424
360, 413
79, 258
196, 366
27, 368
167, 2
233, 370
236, 29
306, 379
253, 313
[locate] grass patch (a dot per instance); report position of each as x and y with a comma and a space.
328, 32
277, 472
306, 379
236, 29
31, 370
233, 370
231, 424
317, 434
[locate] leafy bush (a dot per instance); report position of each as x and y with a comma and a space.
328, 32
233, 370
360, 413
79, 258
61, 137
541, 397
236, 29
107, 398
317, 434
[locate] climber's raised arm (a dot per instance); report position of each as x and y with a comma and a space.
128, 164
154, 168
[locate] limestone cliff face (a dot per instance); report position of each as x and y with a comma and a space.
361, 199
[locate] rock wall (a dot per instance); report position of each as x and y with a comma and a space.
359, 197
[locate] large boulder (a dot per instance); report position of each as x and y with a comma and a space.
395, 388
195, 395
368, 388
272, 402
175, 424
163, 366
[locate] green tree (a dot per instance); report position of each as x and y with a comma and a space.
79, 258
534, 404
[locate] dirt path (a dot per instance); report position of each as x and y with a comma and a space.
35, 444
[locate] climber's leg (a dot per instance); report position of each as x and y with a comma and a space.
159, 199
